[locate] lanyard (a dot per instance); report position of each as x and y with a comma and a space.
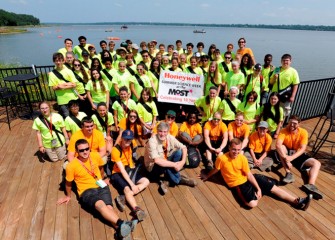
49, 125
124, 111
92, 170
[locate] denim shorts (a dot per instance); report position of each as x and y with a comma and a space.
90, 196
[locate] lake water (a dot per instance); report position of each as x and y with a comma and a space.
312, 51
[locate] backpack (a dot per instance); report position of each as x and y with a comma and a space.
193, 157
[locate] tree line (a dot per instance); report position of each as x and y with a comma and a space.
13, 19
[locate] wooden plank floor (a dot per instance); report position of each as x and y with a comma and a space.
29, 189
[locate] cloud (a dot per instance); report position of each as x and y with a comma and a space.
204, 5
118, 4
21, 2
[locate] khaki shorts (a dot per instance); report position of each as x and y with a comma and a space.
56, 154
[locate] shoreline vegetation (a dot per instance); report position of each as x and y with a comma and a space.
285, 27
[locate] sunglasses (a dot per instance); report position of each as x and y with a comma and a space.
76, 65
171, 117
83, 150
139, 69
132, 116
216, 119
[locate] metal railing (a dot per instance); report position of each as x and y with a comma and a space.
311, 99
41, 71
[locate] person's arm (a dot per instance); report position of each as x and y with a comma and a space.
67, 139
224, 141
207, 140
118, 139
107, 99
67, 198
298, 153
253, 181
116, 88
278, 129
65, 85
126, 177
91, 100
205, 176
133, 91
116, 123
102, 151
294, 92
153, 87
40, 142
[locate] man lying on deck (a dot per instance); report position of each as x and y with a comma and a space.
93, 192
248, 187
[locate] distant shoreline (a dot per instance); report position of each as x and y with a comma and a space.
285, 27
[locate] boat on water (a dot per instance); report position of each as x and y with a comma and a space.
124, 27
109, 30
199, 31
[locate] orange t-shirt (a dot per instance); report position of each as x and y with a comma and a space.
244, 51
123, 126
173, 129
239, 132
126, 158
293, 141
75, 171
191, 130
260, 144
234, 171
215, 132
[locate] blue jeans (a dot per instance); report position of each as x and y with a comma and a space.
172, 175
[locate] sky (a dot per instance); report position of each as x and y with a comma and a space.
275, 12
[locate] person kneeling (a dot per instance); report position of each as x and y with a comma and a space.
125, 176
249, 188
92, 190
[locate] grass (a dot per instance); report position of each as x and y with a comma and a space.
11, 30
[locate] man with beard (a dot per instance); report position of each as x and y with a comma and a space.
291, 146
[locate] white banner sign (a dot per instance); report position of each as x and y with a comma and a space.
180, 87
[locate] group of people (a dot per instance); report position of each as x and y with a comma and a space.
108, 108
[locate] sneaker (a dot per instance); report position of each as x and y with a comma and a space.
132, 224
312, 189
139, 213
120, 201
124, 230
210, 165
187, 181
163, 187
289, 178
303, 203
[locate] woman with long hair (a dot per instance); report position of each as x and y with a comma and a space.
103, 121
251, 109
147, 112
273, 114
97, 89
209, 104
212, 78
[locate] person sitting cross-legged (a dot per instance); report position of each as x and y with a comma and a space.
93, 192
247, 187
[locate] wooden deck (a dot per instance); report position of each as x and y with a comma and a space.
29, 189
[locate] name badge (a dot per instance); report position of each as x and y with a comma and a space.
101, 183
54, 142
